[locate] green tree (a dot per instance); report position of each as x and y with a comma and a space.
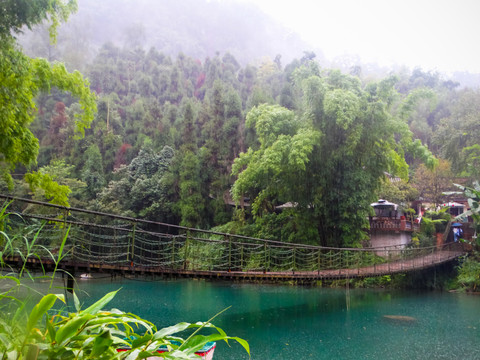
432, 183
458, 134
62, 173
417, 109
231, 127
469, 270
270, 174
191, 201
57, 181
141, 189
397, 191
471, 156
214, 154
19, 13
324, 166
22, 78
92, 173
189, 129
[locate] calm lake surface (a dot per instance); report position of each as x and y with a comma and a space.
287, 322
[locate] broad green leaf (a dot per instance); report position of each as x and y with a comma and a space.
62, 245
124, 320
7, 277
32, 352
242, 342
178, 354
50, 329
93, 309
70, 328
141, 341
171, 330
101, 344
197, 342
146, 354
40, 309
133, 355
76, 302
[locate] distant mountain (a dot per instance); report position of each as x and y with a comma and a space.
198, 28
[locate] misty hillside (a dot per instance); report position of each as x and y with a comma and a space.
197, 28
180, 138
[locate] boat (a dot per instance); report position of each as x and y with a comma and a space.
205, 353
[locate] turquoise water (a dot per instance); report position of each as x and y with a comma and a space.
286, 322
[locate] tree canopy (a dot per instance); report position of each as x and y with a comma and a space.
23, 78
326, 162
17, 14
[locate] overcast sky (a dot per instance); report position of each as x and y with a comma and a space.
433, 34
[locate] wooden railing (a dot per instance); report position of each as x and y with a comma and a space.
389, 224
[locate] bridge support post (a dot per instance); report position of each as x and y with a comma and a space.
185, 260
173, 253
115, 250
229, 254
265, 257
241, 257
132, 248
319, 252
294, 260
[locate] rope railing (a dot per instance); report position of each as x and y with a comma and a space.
107, 239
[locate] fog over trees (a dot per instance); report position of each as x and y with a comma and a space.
196, 28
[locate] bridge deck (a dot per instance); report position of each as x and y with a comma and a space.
396, 267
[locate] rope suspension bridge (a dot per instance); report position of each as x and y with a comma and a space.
100, 242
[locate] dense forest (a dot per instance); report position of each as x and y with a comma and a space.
292, 151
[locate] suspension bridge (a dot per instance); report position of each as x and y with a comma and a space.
100, 242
